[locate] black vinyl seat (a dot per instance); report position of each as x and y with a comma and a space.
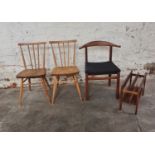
101, 68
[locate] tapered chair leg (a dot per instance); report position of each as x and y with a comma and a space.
58, 78
118, 86
47, 83
86, 88
21, 92
43, 81
120, 102
77, 87
109, 81
55, 85
29, 81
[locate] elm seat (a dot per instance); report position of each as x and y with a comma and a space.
63, 71
101, 68
31, 73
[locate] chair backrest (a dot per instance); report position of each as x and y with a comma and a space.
64, 52
99, 43
33, 54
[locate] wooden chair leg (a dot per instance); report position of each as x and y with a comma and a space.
77, 86
86, 88
55, 85
109, 81
43, 81
120, 102
118, 86
58, 78
47, 83
21, 92
29, 81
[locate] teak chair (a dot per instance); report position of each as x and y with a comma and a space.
101, 68
64, 55
33, 59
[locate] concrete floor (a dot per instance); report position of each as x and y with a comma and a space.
69, 114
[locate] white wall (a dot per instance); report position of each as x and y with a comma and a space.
136, 39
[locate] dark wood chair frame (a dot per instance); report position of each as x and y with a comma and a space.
93, 77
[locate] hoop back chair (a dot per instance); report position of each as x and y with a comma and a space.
64, 55
92, 69
33, 59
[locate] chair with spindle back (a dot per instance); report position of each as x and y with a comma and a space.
33, 60
64, 55
93, 69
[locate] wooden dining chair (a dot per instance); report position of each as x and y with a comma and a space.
64, 55
93, 69
33, 60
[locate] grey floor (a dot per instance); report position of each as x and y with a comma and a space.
69, 114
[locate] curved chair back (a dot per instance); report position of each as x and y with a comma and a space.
99, 43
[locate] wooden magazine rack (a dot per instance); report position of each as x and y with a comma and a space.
132, 89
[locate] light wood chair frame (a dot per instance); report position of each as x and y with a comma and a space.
35, 64
65, 63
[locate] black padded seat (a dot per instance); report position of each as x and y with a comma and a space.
100, 68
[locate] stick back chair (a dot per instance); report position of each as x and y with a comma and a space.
33, 59
93, 69
64, 55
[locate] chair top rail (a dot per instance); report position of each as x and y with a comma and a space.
62, 41
31, 43
99, 43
